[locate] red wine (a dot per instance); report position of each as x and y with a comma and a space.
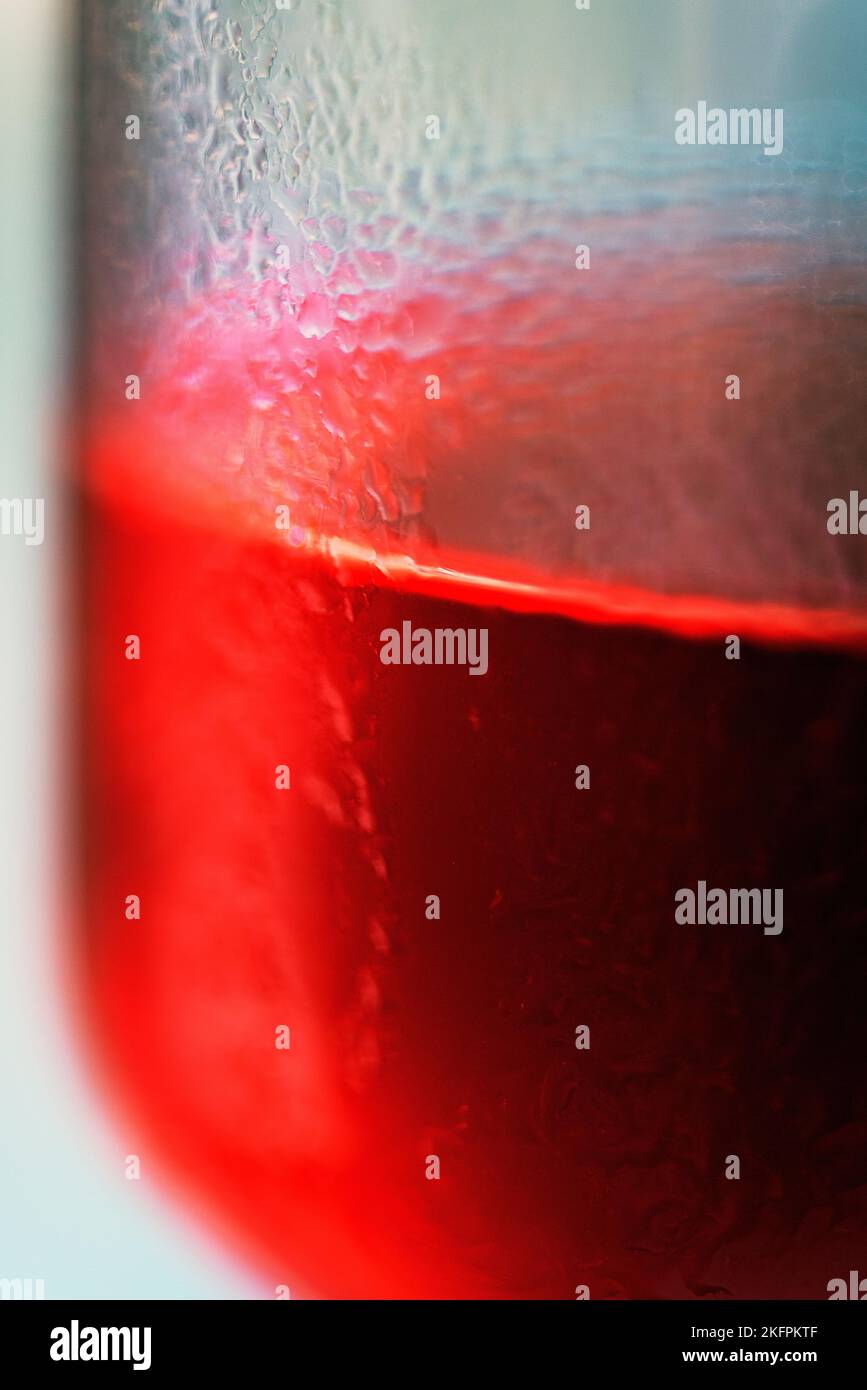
466, 946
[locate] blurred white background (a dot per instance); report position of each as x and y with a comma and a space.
67, 1214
